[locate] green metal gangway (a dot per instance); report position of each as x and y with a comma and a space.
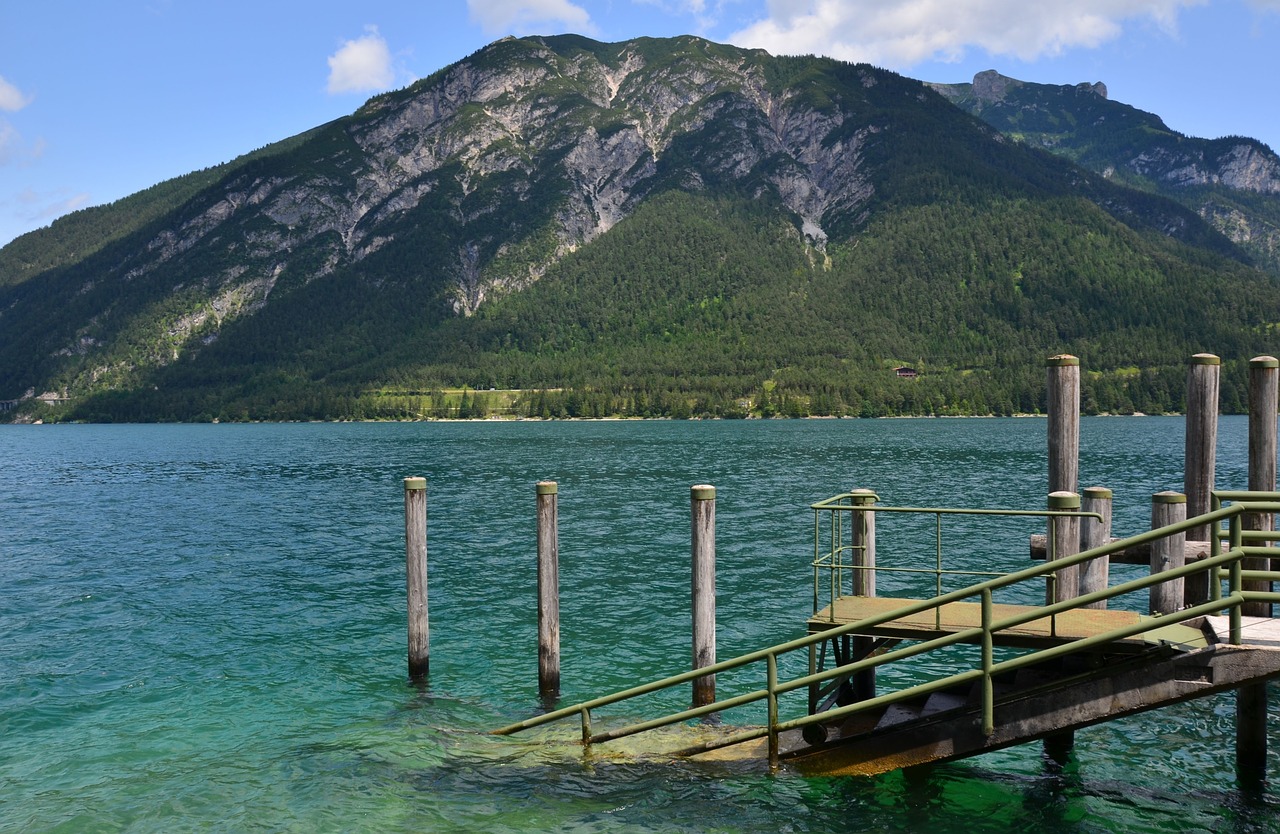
1175, 656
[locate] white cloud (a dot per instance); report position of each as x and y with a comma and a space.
9, 140
692, 7
42, 207
703, 17
1266, 5
11, 98
521, 16
901, 33
362, 65
14, 150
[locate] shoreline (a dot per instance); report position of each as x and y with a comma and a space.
514, 419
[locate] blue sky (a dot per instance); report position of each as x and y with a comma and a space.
102, 99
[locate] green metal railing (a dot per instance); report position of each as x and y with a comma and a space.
1224, 565
844, 555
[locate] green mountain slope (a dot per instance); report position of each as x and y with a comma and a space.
656, 227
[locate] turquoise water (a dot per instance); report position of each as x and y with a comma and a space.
202, 627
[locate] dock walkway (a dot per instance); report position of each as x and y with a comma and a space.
1066, 627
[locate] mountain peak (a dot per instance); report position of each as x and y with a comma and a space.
989, 86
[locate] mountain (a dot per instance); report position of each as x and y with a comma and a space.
655, 227
1232, 182
83, 232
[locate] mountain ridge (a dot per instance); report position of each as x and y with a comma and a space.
383, 250
1233, 182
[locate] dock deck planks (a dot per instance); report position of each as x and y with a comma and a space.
958, 616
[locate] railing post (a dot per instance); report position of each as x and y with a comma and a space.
1169, 552
415, 561
988, 660
1201, 454
702, 498
1064, 423
1251, 699
772, 663
548, 590
863, 547
1064, 541
1095, 574
1234, 583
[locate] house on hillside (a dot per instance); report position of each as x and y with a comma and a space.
903, 372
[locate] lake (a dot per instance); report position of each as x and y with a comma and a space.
203, 626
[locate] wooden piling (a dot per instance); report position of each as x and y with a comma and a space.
862, 539
1251, 700
1203, 374
863, 544
1251, 734
548, 590
1264, 372
1064, 531
702, 499
1095, 574
1064, 540
1063, 403
1169, 552
415, 556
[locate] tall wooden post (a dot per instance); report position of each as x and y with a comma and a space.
548, 590
1064, 423
1095, 574
862, 539
415, 561
1063, 405
702, 499
1064, 540
1201, 455
1264, 372
1251, 700
1169, 552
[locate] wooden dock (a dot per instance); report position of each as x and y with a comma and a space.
1069, 626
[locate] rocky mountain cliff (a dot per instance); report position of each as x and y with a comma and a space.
379, 250
1232, 182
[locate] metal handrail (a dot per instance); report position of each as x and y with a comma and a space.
1230, 560
830, 559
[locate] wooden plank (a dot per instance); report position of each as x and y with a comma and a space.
958, 616
1140, 555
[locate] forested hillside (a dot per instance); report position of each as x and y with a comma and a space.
562, 228
1233, 182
